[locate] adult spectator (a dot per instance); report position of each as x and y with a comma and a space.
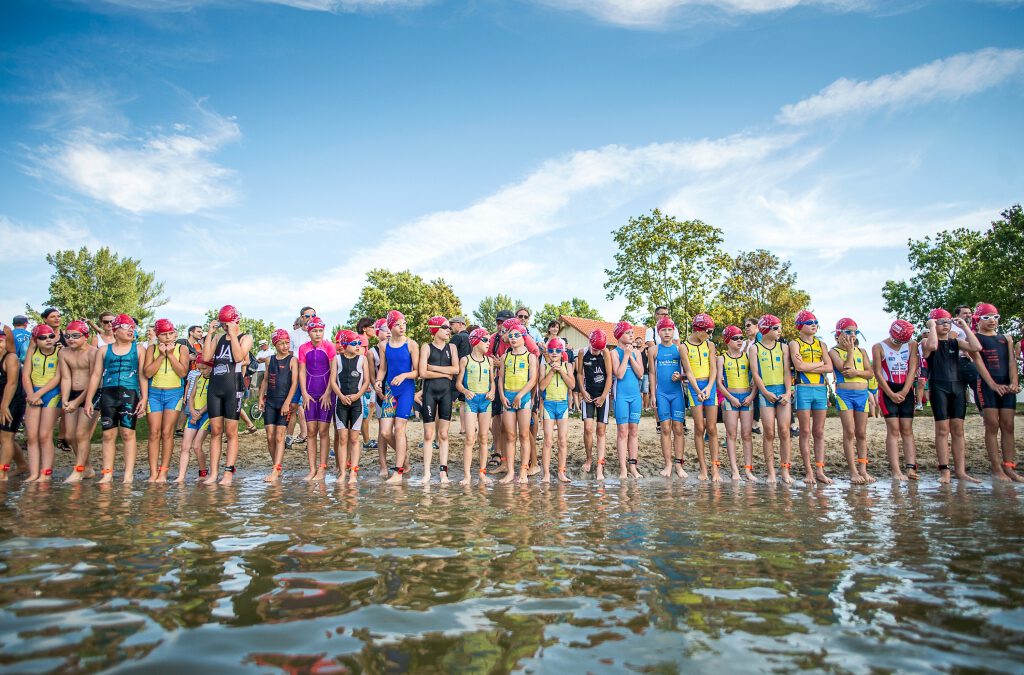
51, 317
968, 371
103, 333
523, 314
262, 359
299, 337
460, 338
651, 337
22, 336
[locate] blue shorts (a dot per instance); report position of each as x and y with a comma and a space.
627, 409
404, 400
692, 394
811, 397
777, 389
671, 404
852, 399
165, 399
297, 398
526, 401
726, 405
50, 399
367, 402
478, 404
203, 423
556, 410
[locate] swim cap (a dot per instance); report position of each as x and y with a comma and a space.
314, 323
42, 330
123, 321
278, 335
344, 335
703, 322
901, 331
939, 313
804, 316
730, 332
985, 308
380, 326
513, 324
78, 326
394, 317
477, 335
364, 341
435, 323
666, 322
163, 326
556, 343
766, 322
843, 324
228, 314
621, 328
598, 340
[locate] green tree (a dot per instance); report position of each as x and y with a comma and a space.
258, 328
491, 305
84, 284
417, 299
1002, 254
575, 307
664, 261
759, 283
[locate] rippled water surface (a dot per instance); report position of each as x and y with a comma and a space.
293, 578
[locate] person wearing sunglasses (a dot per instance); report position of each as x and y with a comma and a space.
299, 336
102, 332
476, 382
350, 382
698, 358
853, 369
665, 365
228, 349
12, 410
627, 369
41, 380
996, 391
557, 380
771, 376
517, 378
808, 355
76, 362
895, 364
734, 383
439, 365
946, 388
399, 366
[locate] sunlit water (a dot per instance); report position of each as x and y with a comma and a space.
293, 578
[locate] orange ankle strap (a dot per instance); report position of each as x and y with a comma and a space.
1010, 465
748, 467
787, 465
79, 468
820, 465
715, 462
47, 472
107, 471
277, 467
862, 460
483, 472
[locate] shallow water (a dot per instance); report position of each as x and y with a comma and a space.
292, 578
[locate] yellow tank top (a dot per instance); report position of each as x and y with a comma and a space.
202, 387
44, 368
770, 364
811, 352
517, 370
165, 377
700, 359
858, 363
477, 377
736, 371
556, 390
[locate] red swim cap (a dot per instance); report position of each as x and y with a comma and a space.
42, 330
621, 328
804, 316
939, 313
703, 322
314, 323
228, 314
843, 324
730, 332
380, 326
394, 317
765, 323
985, 308
513, 324
598, 340
435, 323
556, 343
123, 321
901, 331
163, 326
344, 335
665, 322
477, 335
278, 335
78, 326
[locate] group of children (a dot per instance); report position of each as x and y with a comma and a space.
508, 384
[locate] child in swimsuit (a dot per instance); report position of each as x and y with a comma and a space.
41, 380
316, 371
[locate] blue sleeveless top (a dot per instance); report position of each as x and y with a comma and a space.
629, 385
399, 361
121, 371
666, 363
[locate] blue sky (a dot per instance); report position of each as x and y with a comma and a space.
269, 153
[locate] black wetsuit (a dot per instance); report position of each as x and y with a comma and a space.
437, 392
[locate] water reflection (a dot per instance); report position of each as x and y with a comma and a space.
580, 577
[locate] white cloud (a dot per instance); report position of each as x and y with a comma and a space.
334, 6
157, 173
655, 13
950, 78
23, 243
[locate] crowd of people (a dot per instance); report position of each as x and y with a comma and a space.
510, 384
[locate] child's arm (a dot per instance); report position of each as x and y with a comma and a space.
458, 380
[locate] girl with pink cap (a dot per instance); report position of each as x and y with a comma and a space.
895, 366
316, 372
398, 368
166, 366
227, 348
557, 380
627, 369
996, 391
770, 366
735, 385
812, 365
852, 371
517, 377
476, 382
277, 398
438, 366
595, 376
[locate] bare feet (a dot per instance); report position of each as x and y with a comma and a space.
703, 475
868, 478
395, 479
822, 478
273, 477
912, 474
534, 470
600, 472
680, 472
211, 479
666, 472
353, 477
634, 472
944, 476
227, 478
546, 478
562, 477
786, 478
997, 474
748, 475
464, 481
1014, 476
716, 476
425, 480
586, 467
899, 475
524, 476
89, 472
623, 474
856, 478
309, 476
444, 477
76, 477
161, 477
107, 478
735, 475
180, 478
128, 479
771, 475
963, 475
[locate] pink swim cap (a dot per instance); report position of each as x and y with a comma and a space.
621, 328
703, 322
435, 323
939, 313
730, 332
394, 317
123, 321
765, 323
556, 343
42, 330
78, 326
665, 322
163, 326
805, 316
278, 335
513, 324
314, 323
228, 314
901, 331
477, 335
843, 324
380, 326
344, 335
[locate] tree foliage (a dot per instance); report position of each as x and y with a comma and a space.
491, 305
258, 328
758, 283
84, 284
664, 261
575, 307
417, 299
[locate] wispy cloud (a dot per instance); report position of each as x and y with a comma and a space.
159, 172
25, 243
950, 78
656, 13
333, 6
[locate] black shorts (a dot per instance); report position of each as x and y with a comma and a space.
891, 408
949, 400
224, 399
986, 397
348, 416
598, 412
276, 414
17, 409
117, 408
437, 403
456, 394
